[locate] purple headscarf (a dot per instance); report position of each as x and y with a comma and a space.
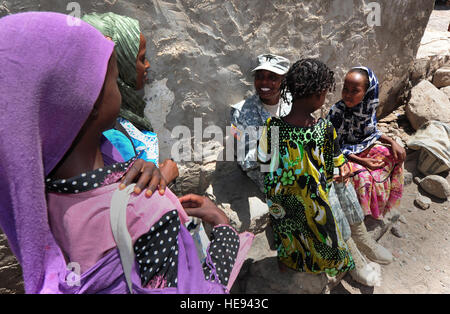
48, 70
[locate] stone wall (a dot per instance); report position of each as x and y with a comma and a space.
201, 54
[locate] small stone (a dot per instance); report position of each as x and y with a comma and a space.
402, 219
389, 118
427, 268
407, 178
396, 231
417, 180
428, 227
441, 77
422, 202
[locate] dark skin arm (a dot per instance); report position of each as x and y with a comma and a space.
169, 170
371, 163
203, 208
344, 173
398, 151
147, 176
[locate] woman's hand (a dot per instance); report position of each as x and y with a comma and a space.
372, 163
169, 170
146, 175
398, 151
203, 208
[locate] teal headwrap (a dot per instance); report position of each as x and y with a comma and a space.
125, 33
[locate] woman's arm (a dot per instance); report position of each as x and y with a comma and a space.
370, 163
169, 170
146, 175
398, 151
203, 208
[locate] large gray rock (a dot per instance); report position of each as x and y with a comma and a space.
427, 103
436, 186
446, 91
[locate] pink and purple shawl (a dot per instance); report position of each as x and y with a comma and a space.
51, 74
49, 70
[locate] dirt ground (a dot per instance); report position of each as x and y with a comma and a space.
422, 253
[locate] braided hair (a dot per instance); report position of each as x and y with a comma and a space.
307, 77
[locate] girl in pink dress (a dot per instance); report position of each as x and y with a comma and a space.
377, 170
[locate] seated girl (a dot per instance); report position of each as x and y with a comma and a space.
377, 171
69, 210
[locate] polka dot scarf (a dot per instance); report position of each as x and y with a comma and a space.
89, 180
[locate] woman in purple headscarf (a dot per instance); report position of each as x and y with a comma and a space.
69, 225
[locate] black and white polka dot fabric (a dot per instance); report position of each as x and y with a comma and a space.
89, 180
223, 251
157, 253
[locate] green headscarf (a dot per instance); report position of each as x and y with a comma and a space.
125, 33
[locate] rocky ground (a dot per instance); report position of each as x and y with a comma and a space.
420, 242
418, 238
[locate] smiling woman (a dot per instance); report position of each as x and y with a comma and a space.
255, 111
267, 85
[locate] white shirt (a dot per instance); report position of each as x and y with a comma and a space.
274, 110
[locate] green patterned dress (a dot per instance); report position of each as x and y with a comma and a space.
301, 171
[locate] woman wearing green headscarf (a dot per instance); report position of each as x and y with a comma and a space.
132, 134
129, 43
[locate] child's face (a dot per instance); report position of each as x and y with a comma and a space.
320, 100
267, 85
354, 89
142, 65
109, 104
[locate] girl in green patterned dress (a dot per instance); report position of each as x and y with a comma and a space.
300, 174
